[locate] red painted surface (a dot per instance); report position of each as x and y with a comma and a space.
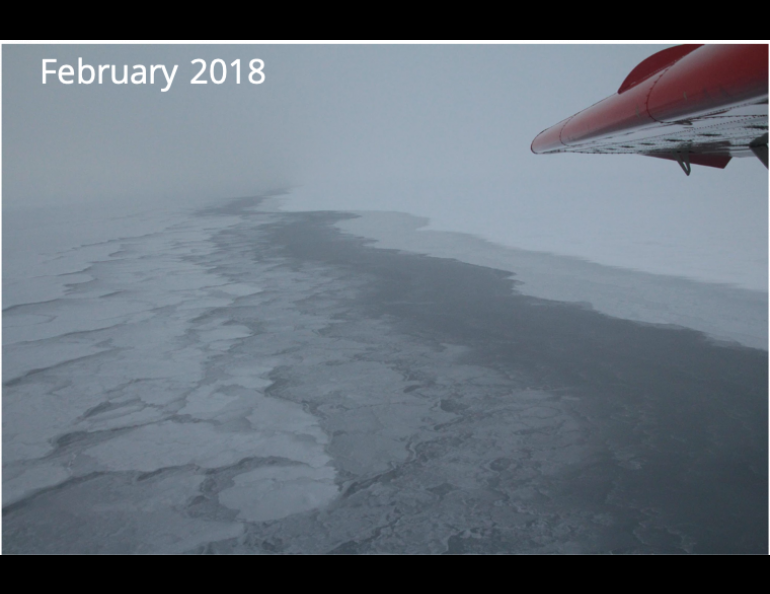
679, 85
708, 79
655, 63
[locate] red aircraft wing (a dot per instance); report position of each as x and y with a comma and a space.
701, 104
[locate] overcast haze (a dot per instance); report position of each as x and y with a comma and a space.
339, 112
439, 131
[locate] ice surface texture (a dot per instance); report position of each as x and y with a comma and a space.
251, 381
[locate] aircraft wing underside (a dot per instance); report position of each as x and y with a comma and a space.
701, 104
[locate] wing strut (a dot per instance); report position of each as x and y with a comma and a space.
683, 158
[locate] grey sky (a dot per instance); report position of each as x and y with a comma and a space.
456, 117
341, 112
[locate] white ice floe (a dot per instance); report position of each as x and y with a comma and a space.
171, 443
719, 238
117, 340
34, 477
724, 312
273, 492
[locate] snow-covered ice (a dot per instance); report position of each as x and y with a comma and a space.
116, 360
242, 379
